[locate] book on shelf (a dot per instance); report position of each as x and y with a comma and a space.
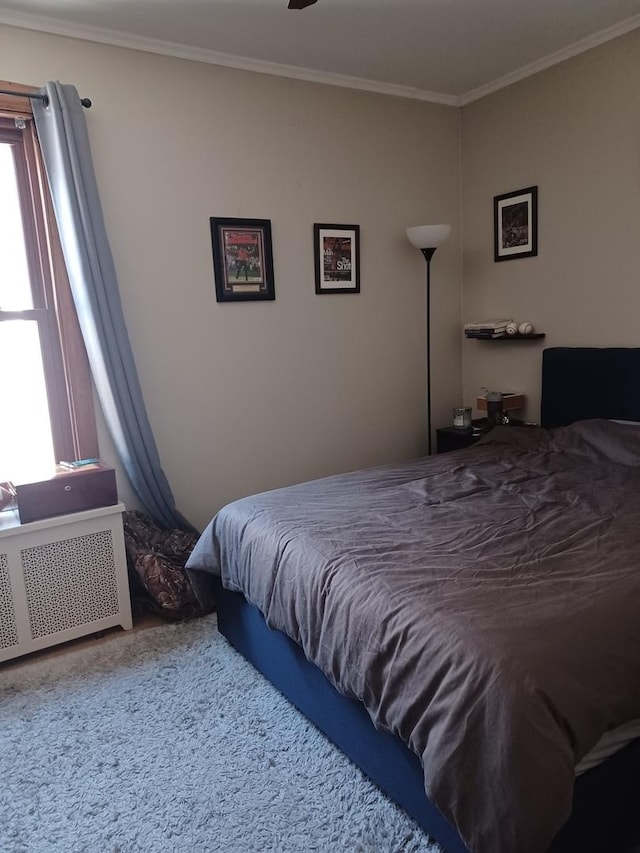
485, 333
487, 325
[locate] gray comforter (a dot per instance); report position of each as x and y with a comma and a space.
484, 605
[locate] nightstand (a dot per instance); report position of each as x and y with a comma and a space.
454, 438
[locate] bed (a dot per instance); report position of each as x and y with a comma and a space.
465, 627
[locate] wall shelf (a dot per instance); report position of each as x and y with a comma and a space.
533, 337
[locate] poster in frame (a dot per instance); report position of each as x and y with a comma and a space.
242, 259
337, 258
515, 224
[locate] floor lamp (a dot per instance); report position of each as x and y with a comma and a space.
427, 238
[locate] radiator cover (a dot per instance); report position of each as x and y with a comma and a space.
61, 578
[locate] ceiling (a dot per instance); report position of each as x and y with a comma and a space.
451, 51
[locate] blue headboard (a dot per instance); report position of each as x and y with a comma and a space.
590, 382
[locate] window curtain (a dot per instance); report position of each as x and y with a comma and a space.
64, 140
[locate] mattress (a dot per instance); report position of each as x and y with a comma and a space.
610, 743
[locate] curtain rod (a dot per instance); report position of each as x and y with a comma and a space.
39, 96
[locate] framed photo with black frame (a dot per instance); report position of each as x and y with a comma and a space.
337, 258
515, 224
242, 259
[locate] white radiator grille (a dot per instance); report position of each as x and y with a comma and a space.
70, 583
8, 628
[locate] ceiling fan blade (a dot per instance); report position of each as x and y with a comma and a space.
301, 4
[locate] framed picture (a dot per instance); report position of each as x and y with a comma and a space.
337, 258
515, 224
242, 259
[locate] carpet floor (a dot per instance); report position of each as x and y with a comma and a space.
167, 741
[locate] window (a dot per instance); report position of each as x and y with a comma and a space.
46, 407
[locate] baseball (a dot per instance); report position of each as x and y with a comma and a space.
511, 328
525, 328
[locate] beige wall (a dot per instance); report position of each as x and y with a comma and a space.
250, 397
574, 131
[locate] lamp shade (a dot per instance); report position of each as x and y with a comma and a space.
428, 236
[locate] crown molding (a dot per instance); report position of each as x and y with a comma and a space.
572, 50
212, 57
116, 38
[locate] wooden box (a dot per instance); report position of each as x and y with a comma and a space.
510, 401
67, 492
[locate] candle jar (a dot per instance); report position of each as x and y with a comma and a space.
462, 417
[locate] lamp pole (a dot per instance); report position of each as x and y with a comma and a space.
427, 238
428, 254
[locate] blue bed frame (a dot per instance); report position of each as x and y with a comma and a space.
577, 383
605, 808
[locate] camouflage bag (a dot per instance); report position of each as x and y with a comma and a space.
156, 559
